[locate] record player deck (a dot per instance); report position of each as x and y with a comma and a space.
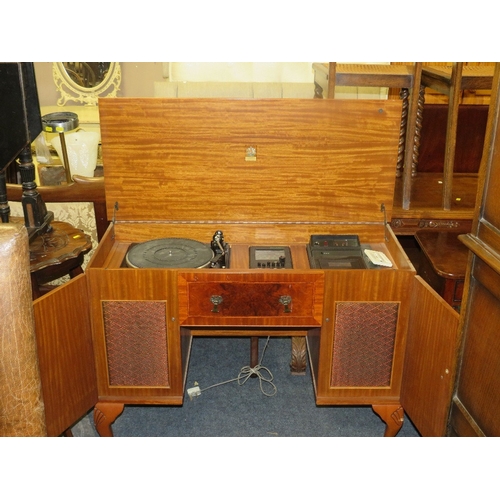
323, 252
171, 253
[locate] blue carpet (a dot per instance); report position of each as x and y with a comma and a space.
235, 410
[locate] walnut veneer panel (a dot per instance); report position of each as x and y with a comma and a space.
251, 299
186, 159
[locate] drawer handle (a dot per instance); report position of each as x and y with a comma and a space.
216, 301
286, 300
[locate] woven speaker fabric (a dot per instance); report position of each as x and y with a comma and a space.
364, 344
136, 343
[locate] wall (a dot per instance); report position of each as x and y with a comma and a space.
138, 77
301, 72
137, 80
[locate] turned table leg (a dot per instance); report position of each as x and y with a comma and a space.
254, 351
299, 356
392, 415
104, 416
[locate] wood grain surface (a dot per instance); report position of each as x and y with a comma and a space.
186, 159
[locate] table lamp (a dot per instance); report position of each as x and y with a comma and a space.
61, 122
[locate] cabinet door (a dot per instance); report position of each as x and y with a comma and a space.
430, 360
476, 402
66, 356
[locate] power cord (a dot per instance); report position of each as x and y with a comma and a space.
245, 373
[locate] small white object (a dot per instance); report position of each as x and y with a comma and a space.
378, 258
82, 151
194, 391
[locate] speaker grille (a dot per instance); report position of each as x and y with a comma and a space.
364, 344
136, 342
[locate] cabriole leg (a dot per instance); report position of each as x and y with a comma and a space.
104, 416
392, 415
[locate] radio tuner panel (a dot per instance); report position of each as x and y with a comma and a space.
270, 257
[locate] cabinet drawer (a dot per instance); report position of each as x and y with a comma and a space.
250, 299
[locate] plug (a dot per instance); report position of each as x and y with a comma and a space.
193, 392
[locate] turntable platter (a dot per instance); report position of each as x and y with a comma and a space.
169, 253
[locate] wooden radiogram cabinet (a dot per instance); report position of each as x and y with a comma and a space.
266, 173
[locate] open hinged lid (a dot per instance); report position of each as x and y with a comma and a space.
228, 160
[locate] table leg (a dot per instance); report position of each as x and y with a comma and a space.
299, 356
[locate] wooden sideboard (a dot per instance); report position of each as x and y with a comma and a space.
270, 172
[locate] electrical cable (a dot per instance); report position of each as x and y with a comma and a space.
247, 371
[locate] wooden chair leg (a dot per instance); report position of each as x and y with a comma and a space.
451, 133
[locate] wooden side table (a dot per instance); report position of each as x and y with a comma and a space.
444, 264
56, 254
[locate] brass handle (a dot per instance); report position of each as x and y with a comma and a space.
216, 301
286, 300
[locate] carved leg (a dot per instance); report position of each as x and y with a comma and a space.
299, 356
392, 415
418, 131
104, 415
402, 132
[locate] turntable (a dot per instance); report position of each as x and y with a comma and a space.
175, 253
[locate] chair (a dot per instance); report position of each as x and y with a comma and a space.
451, 81
406, 77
